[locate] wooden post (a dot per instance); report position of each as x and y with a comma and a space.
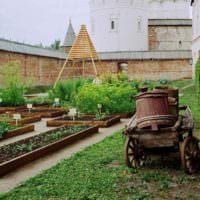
83, 73
94, 66
59, 75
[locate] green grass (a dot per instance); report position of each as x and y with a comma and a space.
99, 173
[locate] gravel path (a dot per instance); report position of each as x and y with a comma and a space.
14, 179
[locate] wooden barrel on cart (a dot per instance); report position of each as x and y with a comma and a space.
152, 110
173, 99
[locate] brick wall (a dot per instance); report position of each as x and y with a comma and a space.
44, 71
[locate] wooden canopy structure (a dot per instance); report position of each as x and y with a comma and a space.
82, 59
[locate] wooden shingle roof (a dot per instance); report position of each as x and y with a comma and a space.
83, 47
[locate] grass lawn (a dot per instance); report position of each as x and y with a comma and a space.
99, 172
189, 97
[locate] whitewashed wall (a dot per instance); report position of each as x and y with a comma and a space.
169, 9
130, 31
196, 32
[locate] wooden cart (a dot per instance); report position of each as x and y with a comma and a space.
143, 142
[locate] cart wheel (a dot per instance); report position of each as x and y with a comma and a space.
189, 155
133, 153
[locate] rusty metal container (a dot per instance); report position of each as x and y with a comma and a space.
152, 110
173, 98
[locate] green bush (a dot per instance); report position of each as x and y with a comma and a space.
113, 79
4, 128
197, 79
66, 90
117, 98
40, 101
14, 86
164, 81
38, 89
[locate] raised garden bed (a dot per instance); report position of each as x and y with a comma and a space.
46, 112
22, 152
18, 131
85, 119
27, 118
11, 109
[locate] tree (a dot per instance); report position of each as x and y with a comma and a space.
56, 44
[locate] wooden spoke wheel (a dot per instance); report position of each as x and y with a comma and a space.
189, 155
134, 153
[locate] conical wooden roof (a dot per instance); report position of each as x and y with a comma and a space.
83, 47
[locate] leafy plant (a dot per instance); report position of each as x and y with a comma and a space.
38, 89
66, 90
164, 81
40, 101
114, 79
113, 98
4, 128
14, 86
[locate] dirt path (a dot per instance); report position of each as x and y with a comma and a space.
22, 174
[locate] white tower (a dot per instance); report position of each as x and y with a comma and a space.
169, 9
119, 25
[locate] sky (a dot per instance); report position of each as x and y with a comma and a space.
41, 21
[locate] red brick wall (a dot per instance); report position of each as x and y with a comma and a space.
44, 71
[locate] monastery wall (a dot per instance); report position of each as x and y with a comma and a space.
170, 37
40, 70
44, 70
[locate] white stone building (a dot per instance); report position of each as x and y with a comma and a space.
196, 31
169, 9
126, 25
119, 25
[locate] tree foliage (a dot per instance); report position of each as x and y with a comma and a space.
56, 44
13, 84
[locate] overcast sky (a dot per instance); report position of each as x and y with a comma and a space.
41, 21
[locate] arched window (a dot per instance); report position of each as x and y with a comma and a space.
114, 23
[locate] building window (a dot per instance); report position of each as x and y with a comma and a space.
112, 25
180, 44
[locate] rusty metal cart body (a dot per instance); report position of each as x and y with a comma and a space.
178, 138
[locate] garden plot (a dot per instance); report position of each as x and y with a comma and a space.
22, 152
85, 119
45, 112
9, 130
24, 118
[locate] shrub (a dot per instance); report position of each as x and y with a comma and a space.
40, 101
113, 79
66, 90
164, 81
113, 98
4, 128
14, 86
38, 89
